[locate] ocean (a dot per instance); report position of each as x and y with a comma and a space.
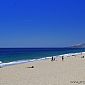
11, 56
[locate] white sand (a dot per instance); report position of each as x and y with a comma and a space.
45, 73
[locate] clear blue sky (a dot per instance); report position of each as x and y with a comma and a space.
41, 23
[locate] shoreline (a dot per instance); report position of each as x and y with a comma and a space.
36, 60
67, 72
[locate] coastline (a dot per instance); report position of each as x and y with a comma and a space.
46, 72
34, 60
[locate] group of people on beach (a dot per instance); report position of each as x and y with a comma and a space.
53, 59
62, 58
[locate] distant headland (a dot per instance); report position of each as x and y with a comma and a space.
78, 46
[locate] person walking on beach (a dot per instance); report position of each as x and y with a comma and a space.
62, 58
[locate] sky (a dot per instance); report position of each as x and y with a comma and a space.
42, 23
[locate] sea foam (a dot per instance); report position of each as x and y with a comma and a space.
32, 60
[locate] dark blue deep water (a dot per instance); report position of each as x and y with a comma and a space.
15, 54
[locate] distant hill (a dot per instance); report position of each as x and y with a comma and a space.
78, 46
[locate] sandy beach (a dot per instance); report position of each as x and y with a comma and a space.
71, 71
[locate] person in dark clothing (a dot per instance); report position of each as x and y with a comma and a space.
31, 67
52, 58
62, 58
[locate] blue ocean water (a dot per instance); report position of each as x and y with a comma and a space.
16, 54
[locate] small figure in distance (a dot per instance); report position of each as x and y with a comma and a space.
31, 67
62, 58
52, 58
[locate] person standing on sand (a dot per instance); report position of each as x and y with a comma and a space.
62, 58
52, 58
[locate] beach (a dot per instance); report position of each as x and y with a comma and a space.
70, 71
